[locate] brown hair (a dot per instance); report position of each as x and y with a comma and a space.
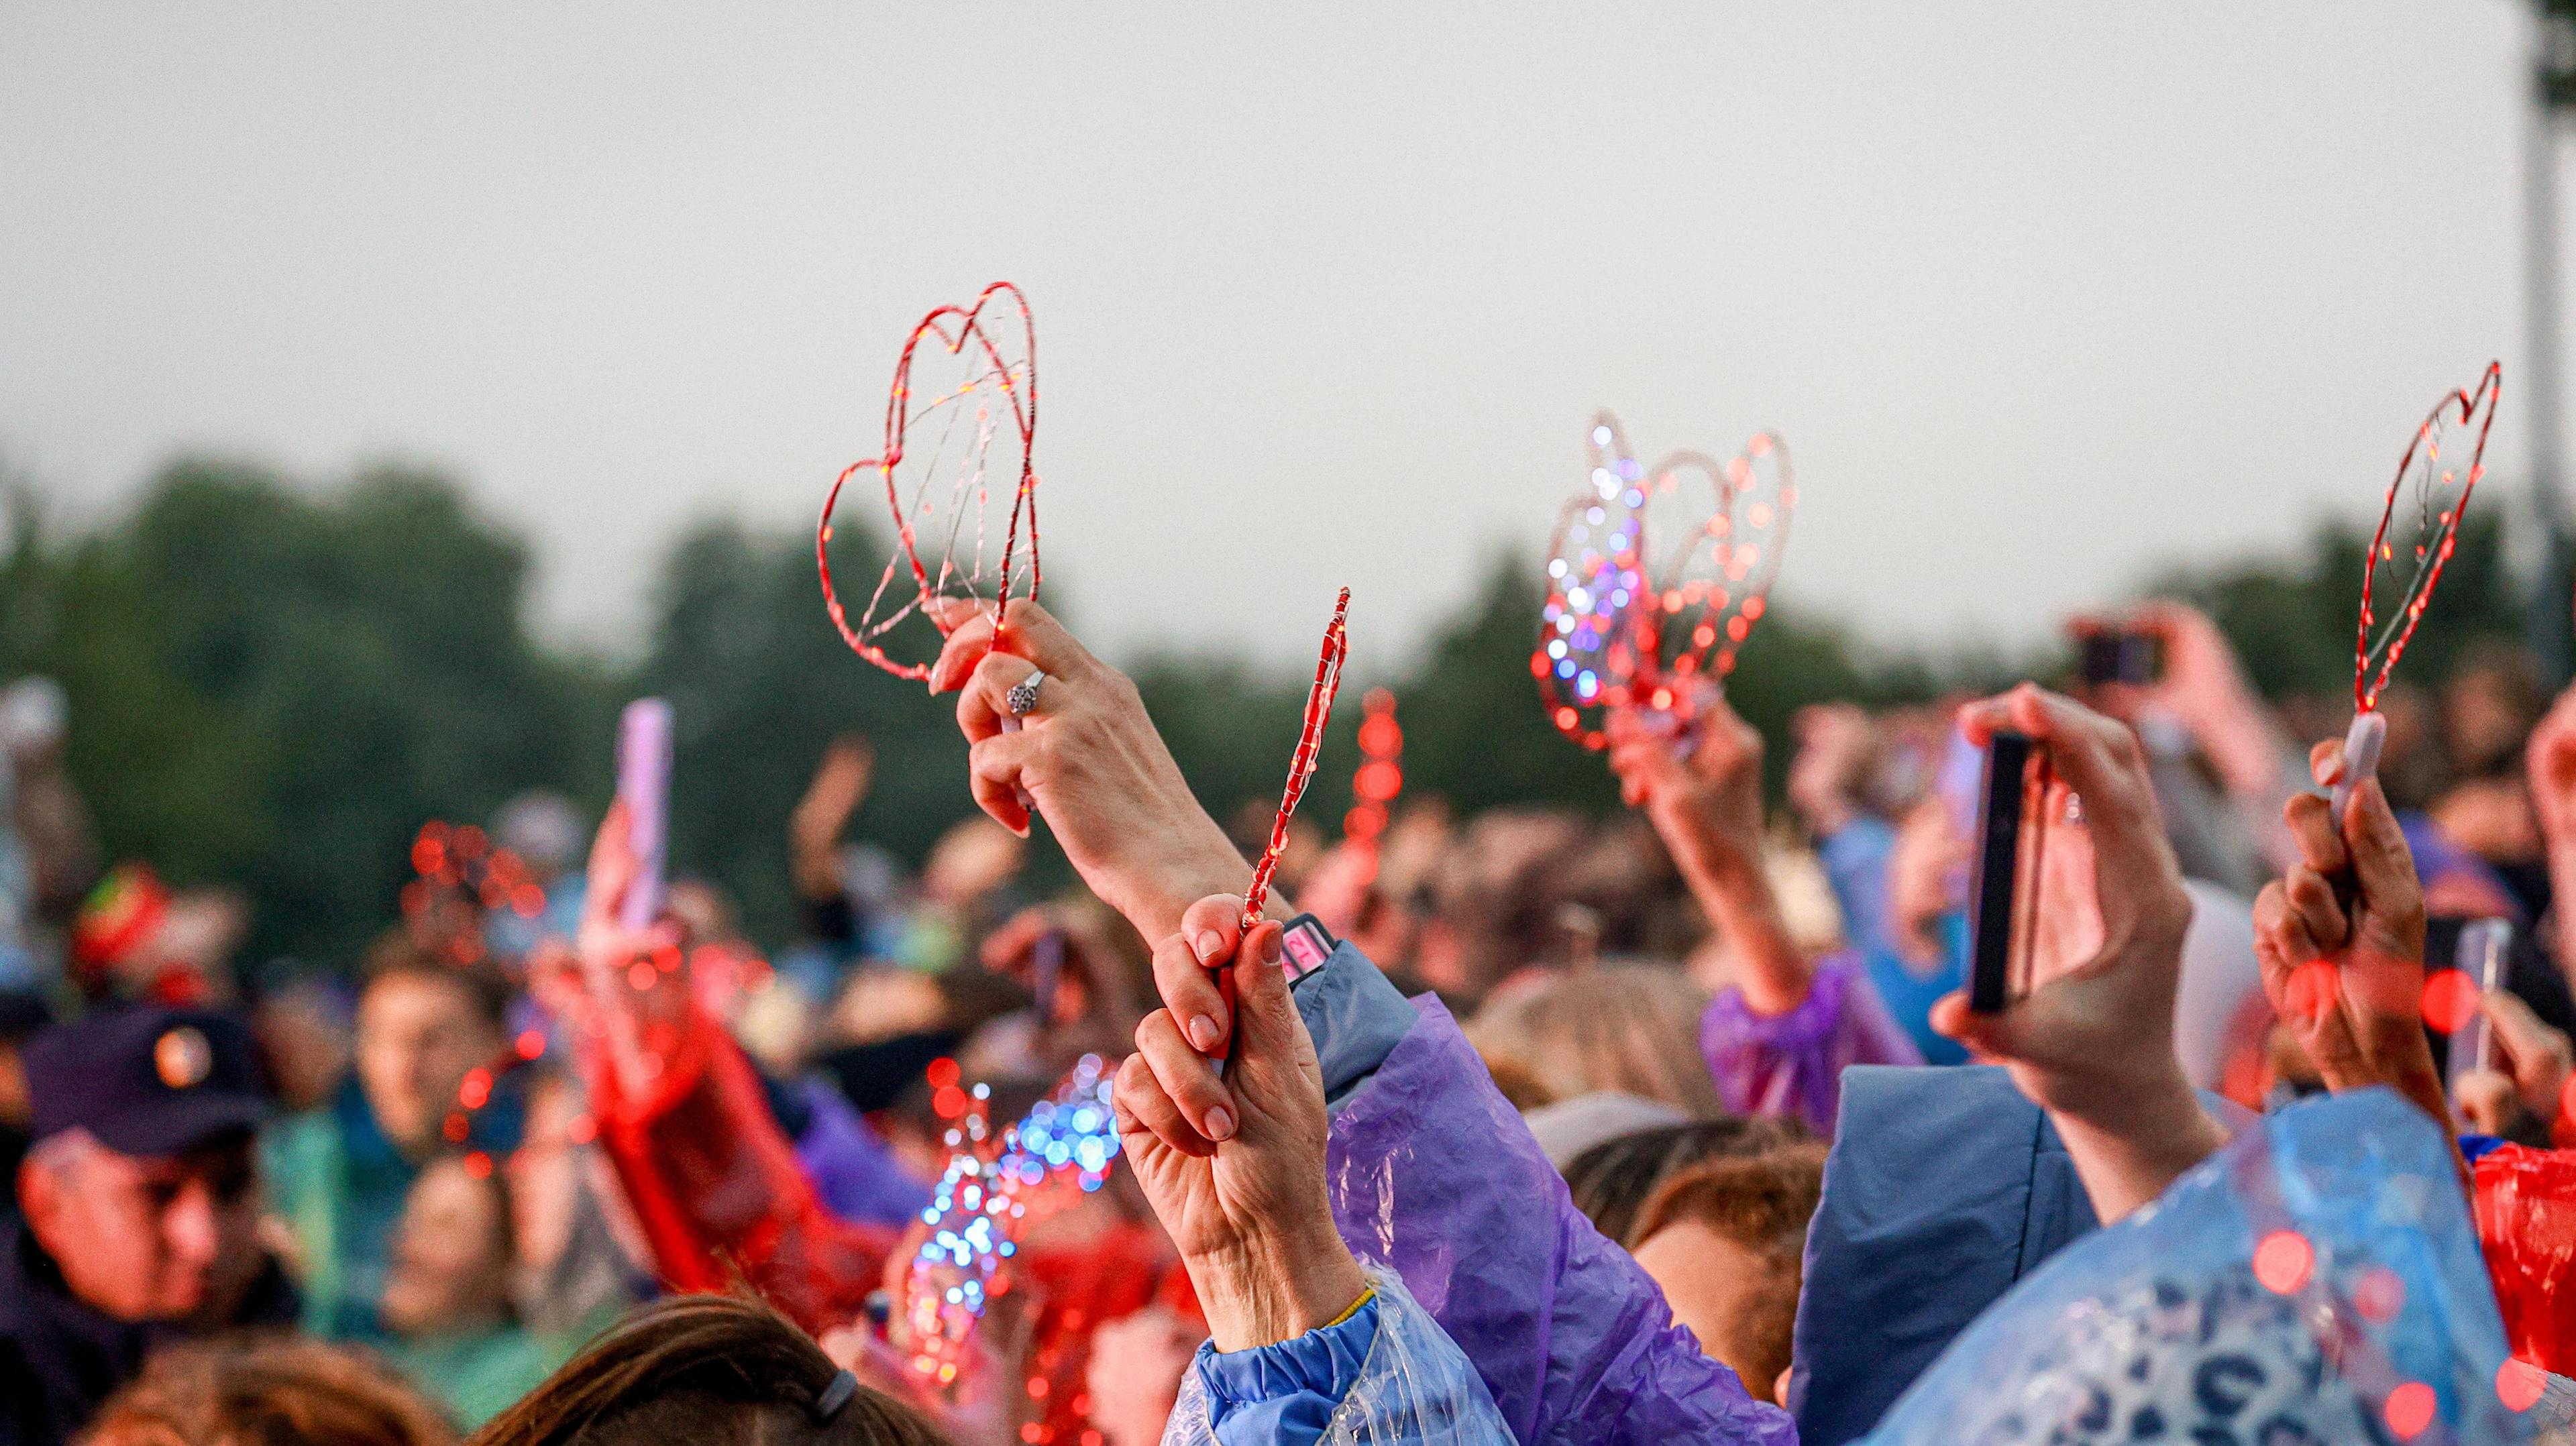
709, 1370
395, 956
267, 1391
1614, 1181
1762, 1204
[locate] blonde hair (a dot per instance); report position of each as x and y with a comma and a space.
267, 1391
1627, 1027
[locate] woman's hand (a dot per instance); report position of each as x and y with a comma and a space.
1088, 758
2341, 941
1234, 1167
2204, 685
2092, 1043
1706, 804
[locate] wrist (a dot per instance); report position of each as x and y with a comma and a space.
2150, 1108
1261, 1292
1154, 893
2127, 1153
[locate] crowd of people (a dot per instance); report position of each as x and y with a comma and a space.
1673, 1126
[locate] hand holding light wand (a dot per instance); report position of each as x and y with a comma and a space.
1301, 770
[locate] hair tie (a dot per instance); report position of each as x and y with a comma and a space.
834, 1397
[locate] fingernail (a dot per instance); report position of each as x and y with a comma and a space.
1270, 947
1207, 944
1220, 1125
1203, 1033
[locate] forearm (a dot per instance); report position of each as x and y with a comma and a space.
1740, 906
2254, 757
816, 873
1151, 881
2129, 1152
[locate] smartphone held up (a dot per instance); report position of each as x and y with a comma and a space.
2033, 909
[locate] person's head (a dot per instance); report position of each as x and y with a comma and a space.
1613, 1180
141, 1185
135, 938
266, 1391
710, 1370
305, 1037
452, 1251
1724, 1239
423, 1025
1630, 1027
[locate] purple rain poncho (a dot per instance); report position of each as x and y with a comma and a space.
1432, 1175
1790, 1065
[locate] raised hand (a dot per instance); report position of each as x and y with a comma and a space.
2531, 1081
2092, 1042
1234, 1167
2340, 938
840, 785
1086, 757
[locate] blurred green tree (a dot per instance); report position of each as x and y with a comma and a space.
274, 687
759, 682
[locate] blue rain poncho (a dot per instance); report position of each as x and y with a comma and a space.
2369, 1319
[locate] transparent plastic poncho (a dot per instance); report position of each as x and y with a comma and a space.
1416, 1388
2317, 1281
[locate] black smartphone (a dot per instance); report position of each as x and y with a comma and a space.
1995, 869
2035, 907
2118, 655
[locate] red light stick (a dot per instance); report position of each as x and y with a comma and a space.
1301, 767
934, 468
2438, 492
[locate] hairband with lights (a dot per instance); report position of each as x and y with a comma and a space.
1655, 579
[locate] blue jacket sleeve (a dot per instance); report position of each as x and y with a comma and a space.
1387, 1376
1943, 1187
1285, 1394
1355, 1017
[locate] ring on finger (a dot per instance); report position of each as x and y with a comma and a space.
1022, 699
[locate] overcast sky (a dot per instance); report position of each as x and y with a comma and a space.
2042, 295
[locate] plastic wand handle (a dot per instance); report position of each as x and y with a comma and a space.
2360, 757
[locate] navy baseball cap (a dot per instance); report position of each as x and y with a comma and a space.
146, 1080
